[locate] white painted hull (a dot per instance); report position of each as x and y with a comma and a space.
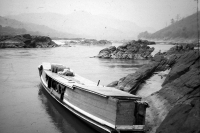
102, 124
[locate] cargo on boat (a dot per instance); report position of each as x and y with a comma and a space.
104, 108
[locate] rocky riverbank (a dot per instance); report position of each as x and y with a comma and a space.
177, 101
175, 107
95, 42
26, 41
130, 50
83, 41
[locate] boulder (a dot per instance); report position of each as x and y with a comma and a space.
113, 84
105, 53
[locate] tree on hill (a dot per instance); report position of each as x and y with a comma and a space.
186, 28
172, 21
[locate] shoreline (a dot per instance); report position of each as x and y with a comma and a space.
152, 84
175, 41
179, 83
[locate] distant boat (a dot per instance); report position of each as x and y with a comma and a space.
104, 108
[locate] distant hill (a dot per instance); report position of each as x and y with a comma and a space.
29, 28
184, 30
84, 24
7, 30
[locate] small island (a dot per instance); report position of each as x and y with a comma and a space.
26, 41
83, 41
95, 42
130, 50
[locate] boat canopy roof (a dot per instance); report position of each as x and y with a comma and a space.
78, 82
107, 91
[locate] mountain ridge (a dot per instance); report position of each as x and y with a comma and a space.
85, 25
32, 28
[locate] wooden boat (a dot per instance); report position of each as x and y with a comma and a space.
104, 108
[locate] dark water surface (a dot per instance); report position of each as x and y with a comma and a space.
25, 107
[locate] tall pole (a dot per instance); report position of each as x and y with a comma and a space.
198, 24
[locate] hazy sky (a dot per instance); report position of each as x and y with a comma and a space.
151, 13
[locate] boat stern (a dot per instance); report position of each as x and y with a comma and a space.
131, 116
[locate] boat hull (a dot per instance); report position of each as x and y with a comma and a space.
103, 113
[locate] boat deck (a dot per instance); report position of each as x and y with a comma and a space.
87, 85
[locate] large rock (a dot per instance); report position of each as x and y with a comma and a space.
26, 41
182, 65
174, 107
131, 82
105, 53
131, 50
183, 118
178, 62
113, 84
180, 88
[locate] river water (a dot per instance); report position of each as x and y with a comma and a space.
25, 107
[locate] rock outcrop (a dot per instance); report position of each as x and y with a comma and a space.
182, 118
26, 41
181, 87
131, 82
131, 50
174, 108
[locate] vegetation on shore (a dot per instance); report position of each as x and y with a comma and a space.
184, 30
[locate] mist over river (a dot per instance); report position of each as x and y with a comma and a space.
25, 107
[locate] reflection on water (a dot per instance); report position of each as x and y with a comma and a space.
123, 63
64, 120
